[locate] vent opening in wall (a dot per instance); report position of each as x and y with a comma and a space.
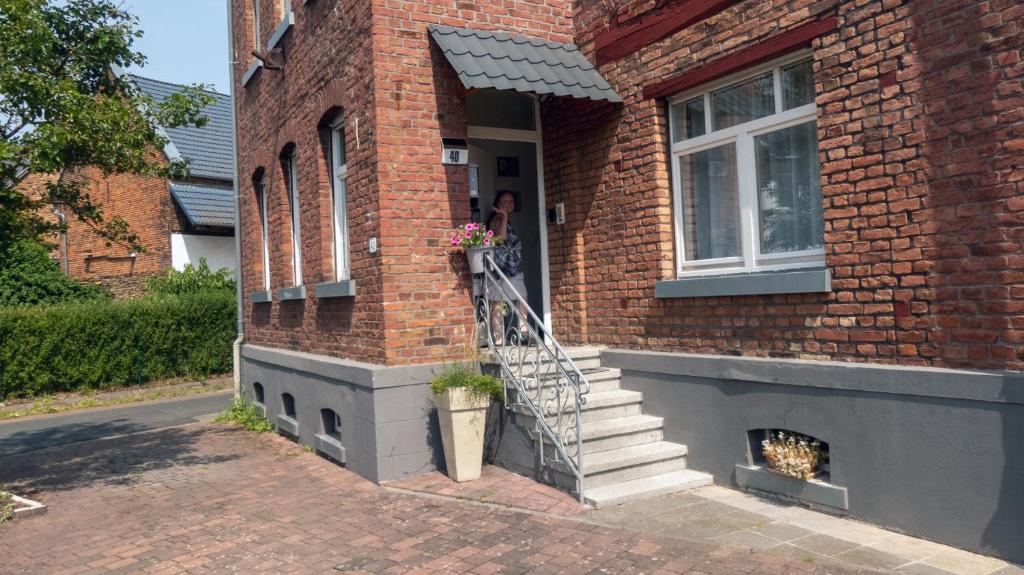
287, 420
794, 465
328, 441
288, 403
331, 423
257, 391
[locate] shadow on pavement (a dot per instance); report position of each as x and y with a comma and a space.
116, 461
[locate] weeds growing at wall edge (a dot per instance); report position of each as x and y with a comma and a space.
246, 415
7, 506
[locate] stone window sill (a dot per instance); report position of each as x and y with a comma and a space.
341, 288
329, 446
282, 28
292, 293
816, 280
261, 297
251, 71
287, 425
813, 491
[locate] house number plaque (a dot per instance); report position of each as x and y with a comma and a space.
454, 151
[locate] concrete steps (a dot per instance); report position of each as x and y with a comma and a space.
625, 455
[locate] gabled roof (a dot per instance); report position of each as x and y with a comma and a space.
207, 149
485, 59
210, 206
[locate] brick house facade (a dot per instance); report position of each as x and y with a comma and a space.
904, 309
172, 219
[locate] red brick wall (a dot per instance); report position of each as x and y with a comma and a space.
919, 123
920, 127
144, 202
326, 65
427, 302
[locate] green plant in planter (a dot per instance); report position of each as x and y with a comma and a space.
462, 375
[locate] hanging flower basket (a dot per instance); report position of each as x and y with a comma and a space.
476, 240
476, 258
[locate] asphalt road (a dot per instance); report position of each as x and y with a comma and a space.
41, 432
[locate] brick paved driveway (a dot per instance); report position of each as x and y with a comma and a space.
211, 499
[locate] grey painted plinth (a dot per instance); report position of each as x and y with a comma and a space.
935, 453
815, 492
388, 427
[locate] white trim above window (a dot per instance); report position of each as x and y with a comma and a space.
339, 200
745, 172
292, 180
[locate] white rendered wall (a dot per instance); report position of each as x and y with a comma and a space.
219, 251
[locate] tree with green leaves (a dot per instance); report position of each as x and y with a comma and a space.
63, 108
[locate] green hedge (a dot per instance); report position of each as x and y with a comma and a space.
99, 344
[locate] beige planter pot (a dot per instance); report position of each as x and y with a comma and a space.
462, 416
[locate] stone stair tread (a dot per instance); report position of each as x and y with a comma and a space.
597, 400
646, 487
630, 456
620, 426
610, 398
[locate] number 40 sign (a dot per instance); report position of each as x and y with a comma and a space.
454, 151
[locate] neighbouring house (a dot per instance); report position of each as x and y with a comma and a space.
738, 217
177, 221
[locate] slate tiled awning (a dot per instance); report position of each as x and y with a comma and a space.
497, 60
209, 206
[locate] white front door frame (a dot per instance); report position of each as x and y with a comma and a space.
534, 137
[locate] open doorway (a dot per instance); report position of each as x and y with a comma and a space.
505, 155
506, 166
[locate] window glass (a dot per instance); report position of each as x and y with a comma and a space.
688, 118
789, 190
339, 189
256, 22
743, 102
797, 84
711, 206
293, 205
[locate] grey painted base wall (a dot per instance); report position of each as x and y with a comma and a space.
935, 453
388, 425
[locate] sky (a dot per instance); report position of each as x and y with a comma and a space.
185, 41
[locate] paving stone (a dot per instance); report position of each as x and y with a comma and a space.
213, 499
781, 531
824, 544
747, 539
872, 558
964, 563
922, 569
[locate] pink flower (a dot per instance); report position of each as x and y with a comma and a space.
471, 227
490, 233
487, 242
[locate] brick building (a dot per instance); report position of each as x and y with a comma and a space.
802, 216
178, 222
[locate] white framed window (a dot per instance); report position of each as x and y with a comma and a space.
339, 200
261, 205
292, 182
745, 170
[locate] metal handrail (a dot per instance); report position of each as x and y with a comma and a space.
544, 375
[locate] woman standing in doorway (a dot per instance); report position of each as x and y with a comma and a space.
509, 258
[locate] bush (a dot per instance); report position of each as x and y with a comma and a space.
29, 277
193, 280
462, 375
100, 344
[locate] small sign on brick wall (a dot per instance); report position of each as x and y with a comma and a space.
454, 151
